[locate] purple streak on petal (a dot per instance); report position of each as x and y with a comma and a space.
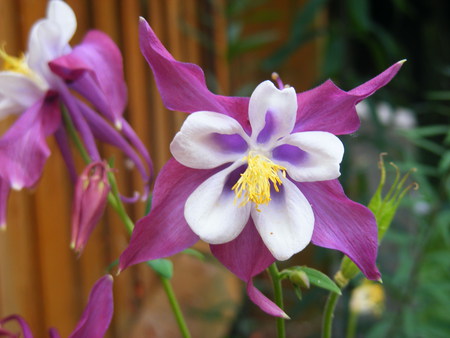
263, 302
23, 148
26, 331
266, 133
245, 256
98, 313
289, 153
182, 85
233, 143
95, 69
4, 194
66, 152
342, 224
328, 108
106, 133
132, 137
72, 105
164, 231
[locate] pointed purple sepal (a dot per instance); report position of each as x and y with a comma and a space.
26, 331
95, 69
246, 256
91, 192
98, 313
23, 148
343, 225
182, 85
328, 108
164, 231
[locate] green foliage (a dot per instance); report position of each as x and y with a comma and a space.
296, 275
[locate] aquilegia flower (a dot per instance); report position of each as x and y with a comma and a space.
254, 177
36, 84
94, 321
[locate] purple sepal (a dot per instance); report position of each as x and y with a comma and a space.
4, 193
23, 148
91, 192
182, 85
64, 147
53, 333
246, 256
79, 122
106, 133
26, 331
164, 231
343, 225
328, 108
95, 69
98, 313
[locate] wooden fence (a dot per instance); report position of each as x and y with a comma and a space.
40, 277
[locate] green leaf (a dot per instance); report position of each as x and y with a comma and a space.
320, 280
162, 267
315, 277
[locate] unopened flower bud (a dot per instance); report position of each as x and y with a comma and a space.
300, 278
91, 192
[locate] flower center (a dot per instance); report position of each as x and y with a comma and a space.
14, 64
255, 183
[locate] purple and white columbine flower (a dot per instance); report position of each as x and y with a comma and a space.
35, 85
254, 177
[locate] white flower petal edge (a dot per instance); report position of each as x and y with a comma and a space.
19, 90
195, 145
324, 153
211, 212
281, 103
63, 16
286, 224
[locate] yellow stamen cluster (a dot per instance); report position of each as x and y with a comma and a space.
14, 64
255, 183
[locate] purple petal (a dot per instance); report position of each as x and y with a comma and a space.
53, 333
64, 147
182, 85
328, 108
164, 231
72, 105
106, 133
26, 331
246, 256
4, 193
95, 69
23, 148
98, 313
263, 302
343, 225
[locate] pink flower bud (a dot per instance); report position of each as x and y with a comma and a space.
91, 192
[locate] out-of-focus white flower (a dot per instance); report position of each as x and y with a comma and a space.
367, 299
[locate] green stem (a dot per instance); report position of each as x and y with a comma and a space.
351, 325
175, 307
116, 202
278, 292
329, 315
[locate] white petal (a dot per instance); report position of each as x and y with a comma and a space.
286, 224
322, 155
211, 211
19, 90
207, 140
282, 108
63, 16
